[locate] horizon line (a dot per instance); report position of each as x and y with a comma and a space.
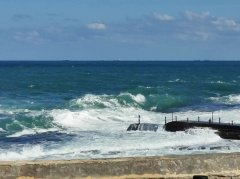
120, 60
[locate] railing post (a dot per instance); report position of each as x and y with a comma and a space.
219, 120
198, 118
165, 120
175, 118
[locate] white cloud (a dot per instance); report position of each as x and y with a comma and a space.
96, 26
226, 24
163, 17
31, 36
194, 35
193, 15
203, 35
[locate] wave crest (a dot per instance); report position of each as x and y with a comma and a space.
90, 101
229, 100
97, 101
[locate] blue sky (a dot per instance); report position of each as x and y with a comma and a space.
119, 30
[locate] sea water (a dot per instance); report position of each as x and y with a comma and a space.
81, 110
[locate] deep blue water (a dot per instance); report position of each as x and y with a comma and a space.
51, 103
53, 84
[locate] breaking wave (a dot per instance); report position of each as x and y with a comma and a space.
150, 102
86, 126
233, 99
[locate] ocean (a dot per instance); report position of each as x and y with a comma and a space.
81, 110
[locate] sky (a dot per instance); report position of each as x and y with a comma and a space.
119, 30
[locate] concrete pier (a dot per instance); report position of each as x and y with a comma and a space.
215, 166
224, 130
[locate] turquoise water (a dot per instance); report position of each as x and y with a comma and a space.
65, 110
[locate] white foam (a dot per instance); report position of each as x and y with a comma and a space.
108, 101
27, 112
23, 132
230, 99
101, 119
119, 117
102, 132
113, 140
31, 86
33, 131
137, 143
27, 152
159, 143
176, 80
91, 100
218, 82
139, 98
153, 108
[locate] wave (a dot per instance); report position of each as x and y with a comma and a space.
99, 120
29, 152
122, 145
139, 98
222, 87
150, 102
233, 99
95, 129
111, 112
177, 81
94, 101
84, 113
218, 82
18, 122
108, 101
105, 119
33, 131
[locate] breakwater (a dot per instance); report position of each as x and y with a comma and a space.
224, 130
174, 167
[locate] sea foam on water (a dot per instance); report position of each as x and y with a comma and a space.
52, 111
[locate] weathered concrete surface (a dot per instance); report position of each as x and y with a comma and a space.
171, 167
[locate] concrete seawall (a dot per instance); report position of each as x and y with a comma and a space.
174, 167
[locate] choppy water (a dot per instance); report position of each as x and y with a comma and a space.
72, 110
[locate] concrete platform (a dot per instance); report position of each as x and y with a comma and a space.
224, 130
215, 166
